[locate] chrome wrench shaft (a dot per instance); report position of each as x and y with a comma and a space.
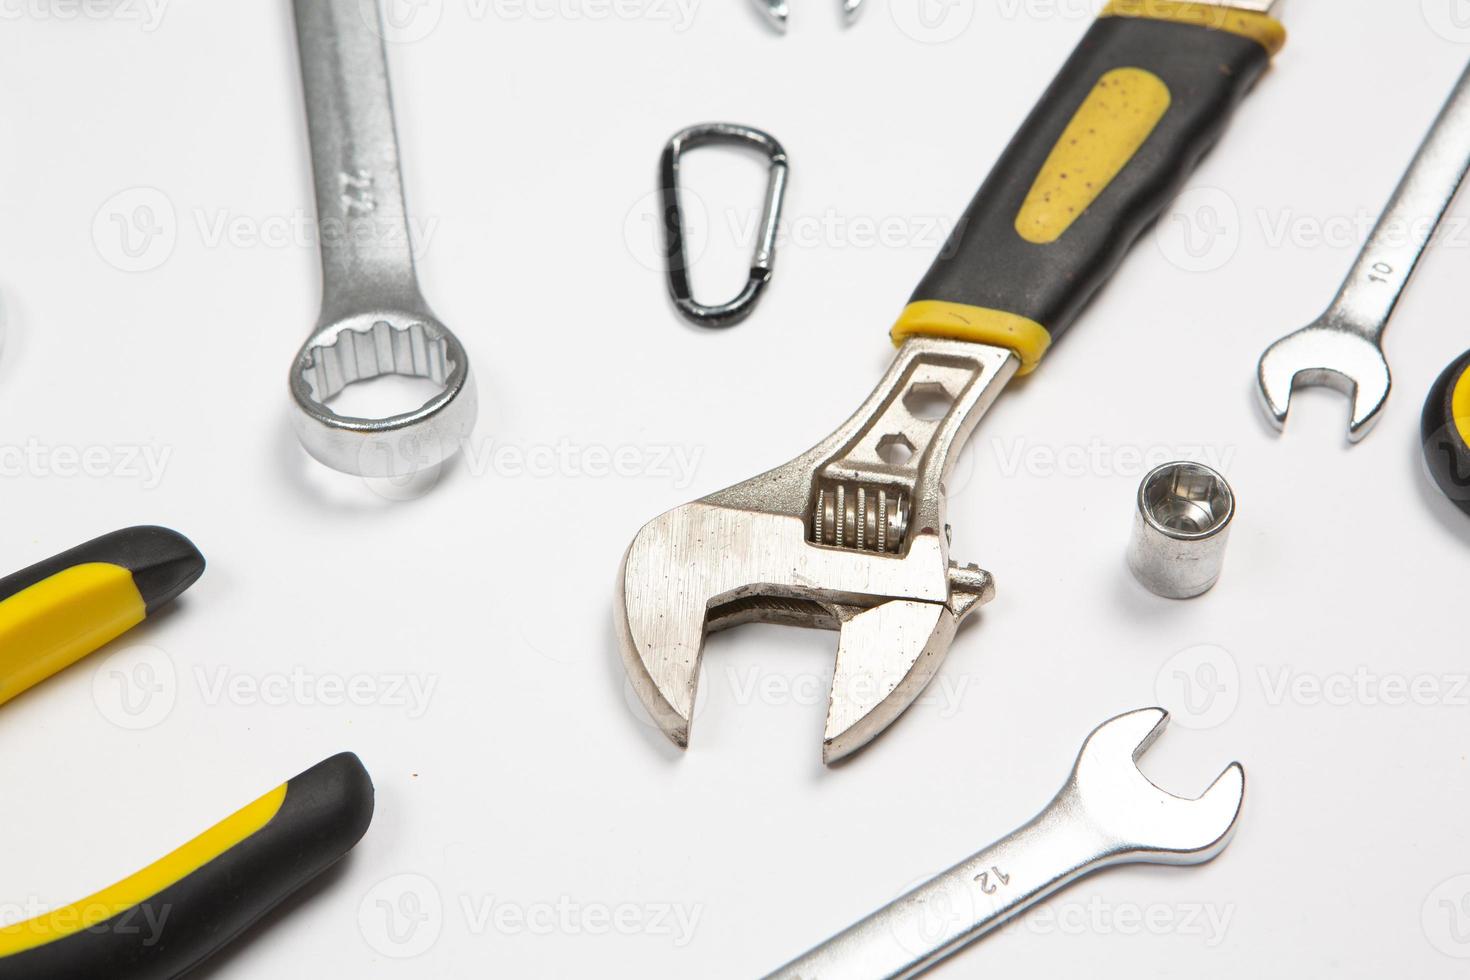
1107, 814
374, 320
1343, 349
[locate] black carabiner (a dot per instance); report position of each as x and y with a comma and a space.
676, 255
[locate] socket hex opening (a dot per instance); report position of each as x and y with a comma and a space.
1187, 500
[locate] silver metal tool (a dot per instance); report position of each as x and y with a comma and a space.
1107, 814
374, 320
871, 495
676, 252
852, 534
1180, 528
1343, 349
778, 12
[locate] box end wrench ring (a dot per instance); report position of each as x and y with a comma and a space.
374, 320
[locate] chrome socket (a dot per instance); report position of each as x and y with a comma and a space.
1180, 529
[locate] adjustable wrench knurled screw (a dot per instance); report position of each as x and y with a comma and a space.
1108, 813
374, 320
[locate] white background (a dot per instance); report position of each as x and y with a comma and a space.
526, 788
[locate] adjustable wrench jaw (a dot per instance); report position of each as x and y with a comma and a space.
848, 536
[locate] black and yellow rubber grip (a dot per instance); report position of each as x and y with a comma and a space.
1445, 427
1145, 95
56, 612
168, 918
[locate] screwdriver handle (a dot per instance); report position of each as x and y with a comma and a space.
163, 921
1445, 428
1144, 96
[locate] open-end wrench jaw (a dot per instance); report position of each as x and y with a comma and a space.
1107, 814
1343, 349
1136, 820
848, 536
1330, 355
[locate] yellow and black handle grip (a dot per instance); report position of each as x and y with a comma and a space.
1445, 428
1145, 95
168, 918
58, 611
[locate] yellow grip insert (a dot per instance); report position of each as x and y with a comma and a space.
1108, 129
1264, 29
1460, 406
978, 325
61, 619
138, 888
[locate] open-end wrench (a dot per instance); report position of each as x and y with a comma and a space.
374, 320
852, 535
1107, 814
1343, 349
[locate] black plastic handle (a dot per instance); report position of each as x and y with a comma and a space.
168, 918
1445, 428
1145, 95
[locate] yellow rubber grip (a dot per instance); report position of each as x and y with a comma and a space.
1261, 28
957, 321
138, 888
1460, 407
61, 619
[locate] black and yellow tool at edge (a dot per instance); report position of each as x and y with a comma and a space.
165, 920
1445, 429
58, 611
1144, 97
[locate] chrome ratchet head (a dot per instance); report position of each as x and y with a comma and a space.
366, 346
848, 536
1139, 821
1330, 355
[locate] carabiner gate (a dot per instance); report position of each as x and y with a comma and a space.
676, 255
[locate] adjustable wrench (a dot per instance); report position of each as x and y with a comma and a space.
851, 535
1107, 814
374, 320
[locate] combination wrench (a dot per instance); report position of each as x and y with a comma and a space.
1343, 348
374, 320
1108, 813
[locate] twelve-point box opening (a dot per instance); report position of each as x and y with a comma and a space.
407, 366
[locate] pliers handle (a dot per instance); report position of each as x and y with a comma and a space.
169, 917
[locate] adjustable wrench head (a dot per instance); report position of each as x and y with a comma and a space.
1329, 355
839, 538
1140, 821
704, 567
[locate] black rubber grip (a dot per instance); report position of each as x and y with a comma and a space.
988, 264
162, 561
325, 812
1446, 450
